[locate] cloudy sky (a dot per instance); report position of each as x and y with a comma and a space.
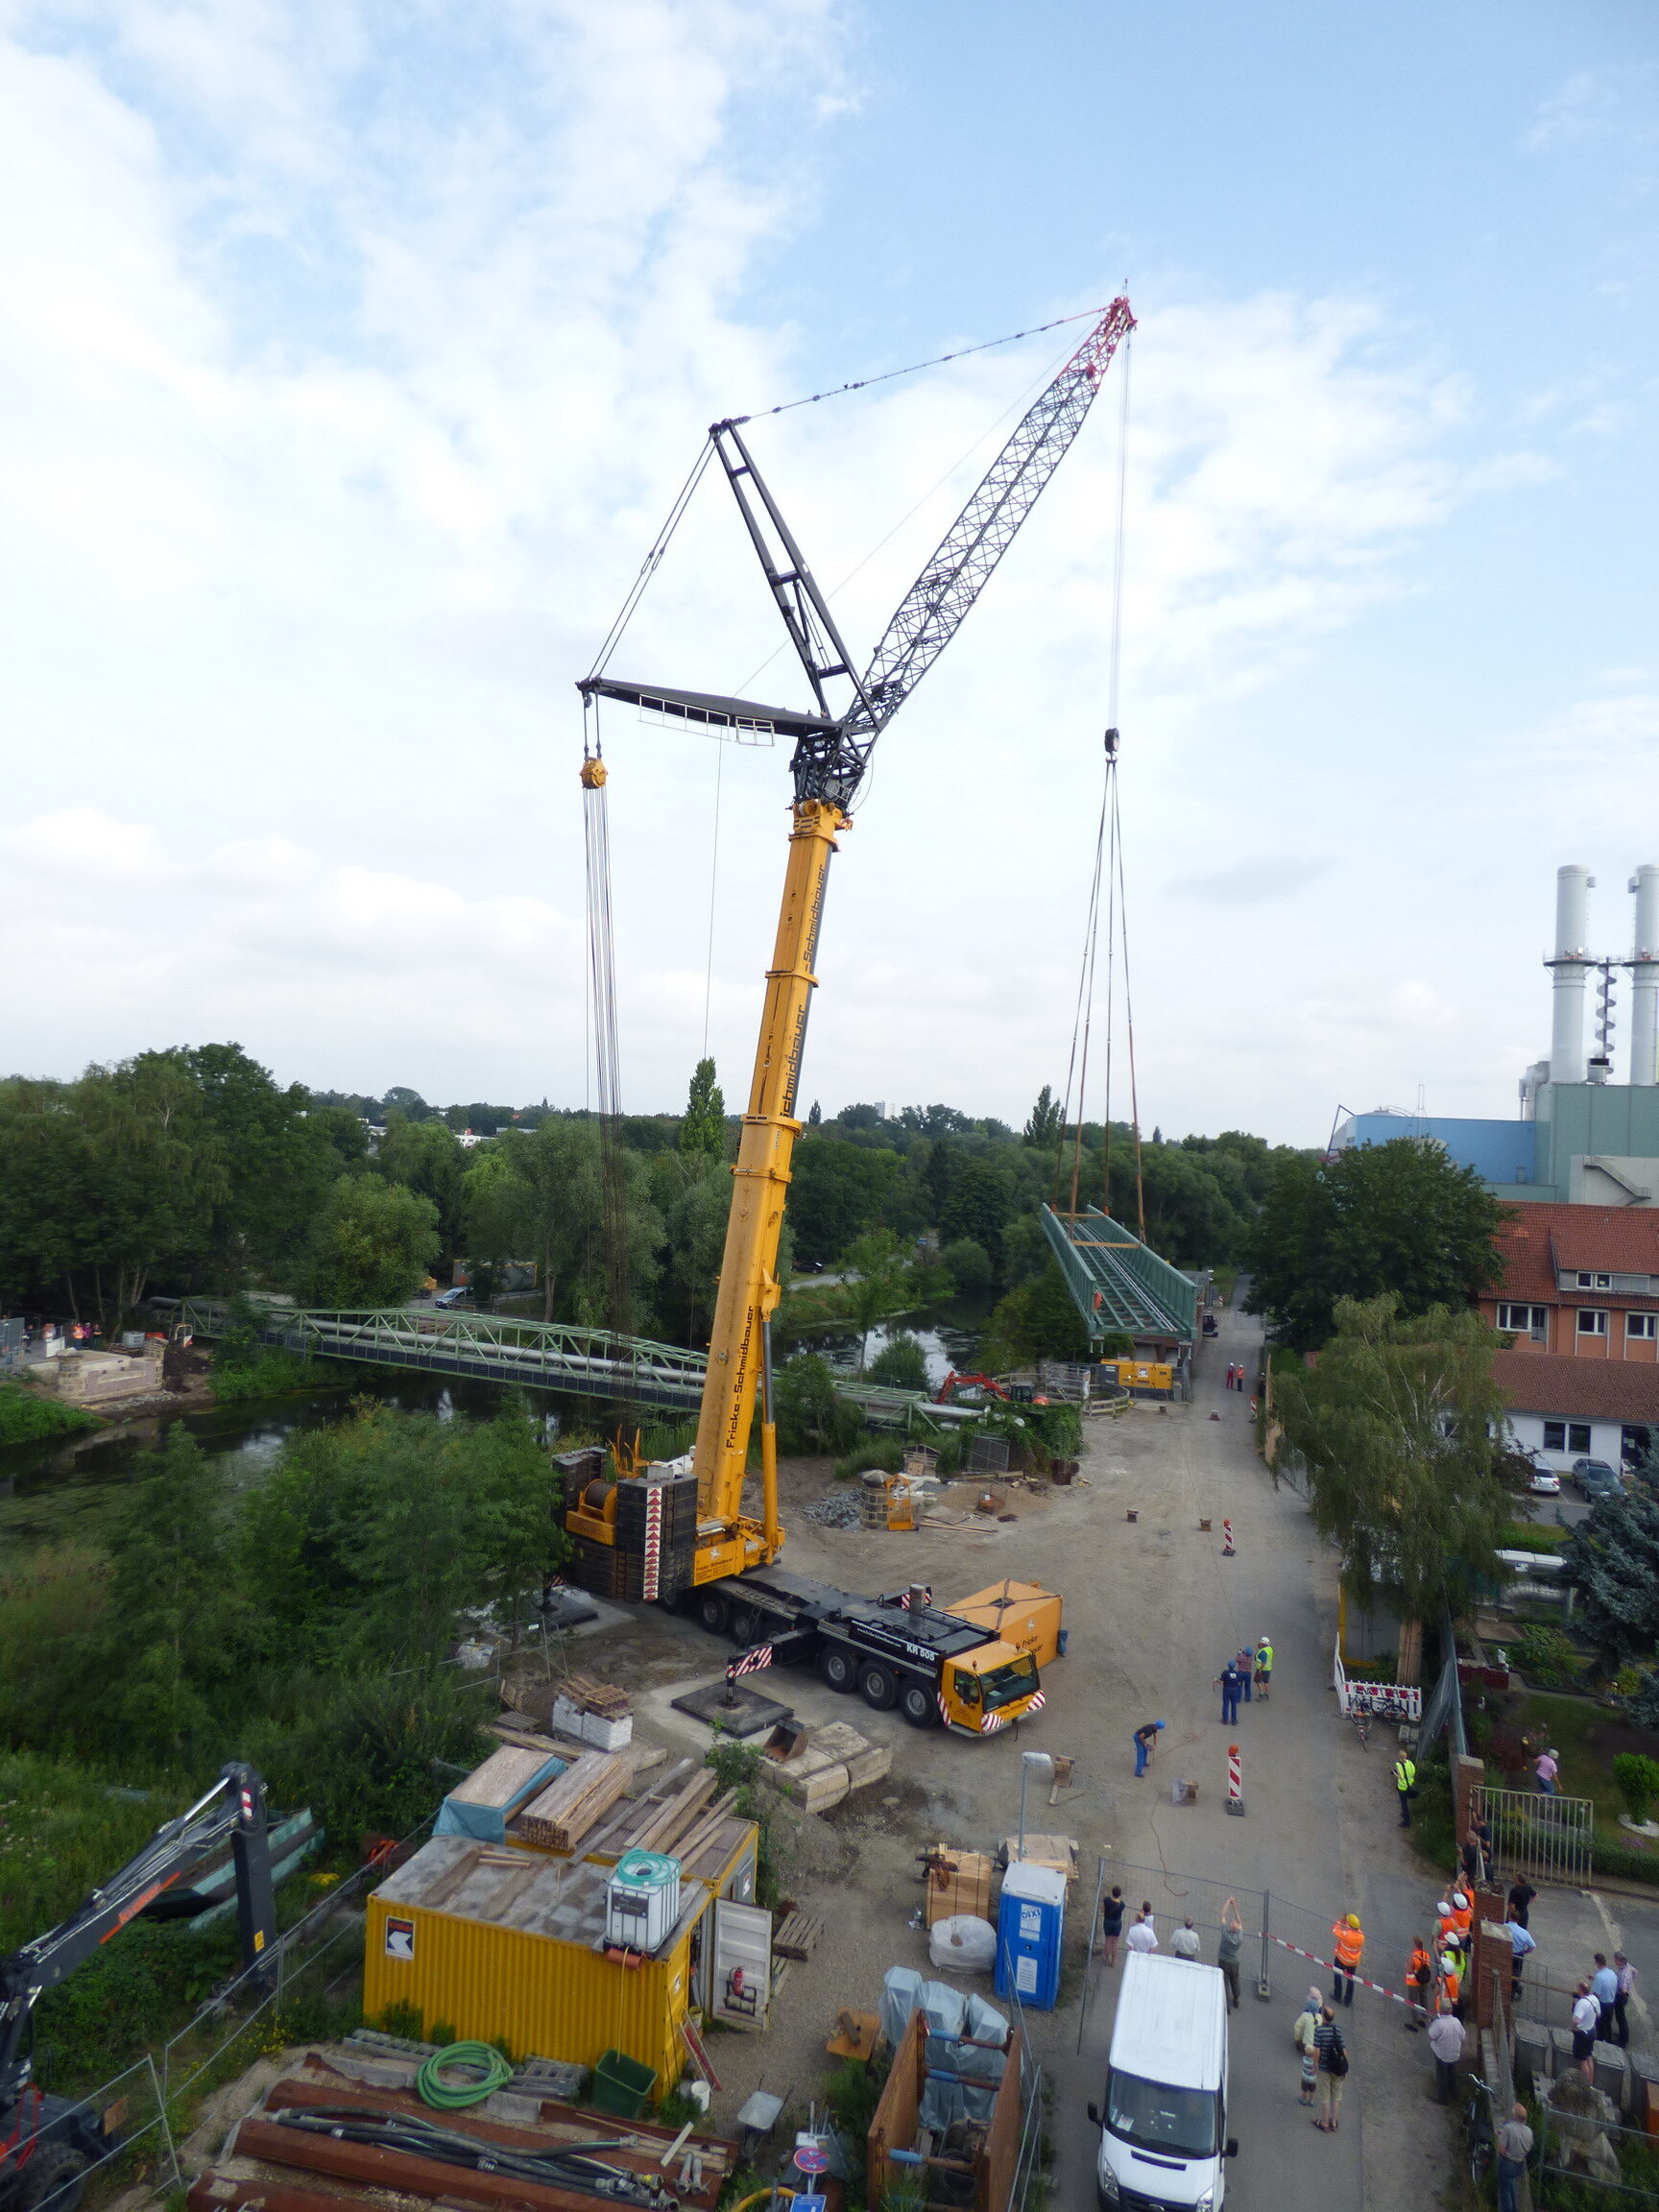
352, 353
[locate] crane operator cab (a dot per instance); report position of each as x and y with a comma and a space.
987, 1688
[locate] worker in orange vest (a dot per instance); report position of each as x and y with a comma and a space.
1349, 1938
1419, 1980
1462, 1913
1450, 1978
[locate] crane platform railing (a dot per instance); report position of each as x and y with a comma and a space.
540, 1355
1119, 1284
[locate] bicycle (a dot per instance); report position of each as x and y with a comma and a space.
1360, 1716
1479, 2137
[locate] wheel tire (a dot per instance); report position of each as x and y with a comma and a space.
839, 1669
919, 1705
878, 1688
744, 1626
53, 2180
712, 1612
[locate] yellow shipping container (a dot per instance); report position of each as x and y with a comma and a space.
507, 1947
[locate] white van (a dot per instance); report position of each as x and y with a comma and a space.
1163, 2130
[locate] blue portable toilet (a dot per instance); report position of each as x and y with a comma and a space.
1030, 1923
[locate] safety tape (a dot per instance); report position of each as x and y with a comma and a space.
1381, 1989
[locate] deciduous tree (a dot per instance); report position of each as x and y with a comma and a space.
372, 1244
1399, 1426
1399, 1217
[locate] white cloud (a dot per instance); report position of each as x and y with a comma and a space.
348, 379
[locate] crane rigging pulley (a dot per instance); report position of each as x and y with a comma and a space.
832, 745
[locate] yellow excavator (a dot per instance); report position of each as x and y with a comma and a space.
673, 1535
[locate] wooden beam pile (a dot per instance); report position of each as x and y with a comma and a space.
676, 1818
558, 1819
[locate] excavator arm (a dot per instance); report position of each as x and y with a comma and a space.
234, 1807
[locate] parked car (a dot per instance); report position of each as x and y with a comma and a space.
1595, 1478
1544, 1482
460, 1296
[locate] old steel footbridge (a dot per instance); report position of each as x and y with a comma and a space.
536, 1355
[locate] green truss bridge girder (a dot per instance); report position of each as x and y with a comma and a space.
540, 1355
1118, 1283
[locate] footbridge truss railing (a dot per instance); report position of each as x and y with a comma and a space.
487, 1347
542, 1354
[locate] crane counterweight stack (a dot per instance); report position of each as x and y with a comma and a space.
831, 752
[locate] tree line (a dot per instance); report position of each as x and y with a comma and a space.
191, 1169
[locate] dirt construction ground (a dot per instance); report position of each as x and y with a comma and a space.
1153, 1610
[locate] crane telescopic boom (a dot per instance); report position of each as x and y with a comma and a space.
831, 754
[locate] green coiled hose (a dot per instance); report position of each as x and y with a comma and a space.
454, 2095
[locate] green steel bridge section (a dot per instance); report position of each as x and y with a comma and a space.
1119, 1284
540, 1354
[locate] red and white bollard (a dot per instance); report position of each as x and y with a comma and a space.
1227, 1550
1235, 1780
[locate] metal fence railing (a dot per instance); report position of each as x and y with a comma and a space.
1577, 2153
1534, 1834
1282, 1938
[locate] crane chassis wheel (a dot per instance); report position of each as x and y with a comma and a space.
919, 1704
839, 1669
878, 1688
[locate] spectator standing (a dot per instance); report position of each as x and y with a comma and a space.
1470, 1855
1145, 1743
1514, 2149
1586, 2012
1230, 1686
1419, 1981
1349, 1938
1521, 1940
1227, 1948
1302, 2036
1143, 1936
1627, 1974
1604, 1988
1184, 1943
1111, 1923
1332, 2069
1446, 2039
1245, 1662
1546, 1768
1520, 1904
1404, 1783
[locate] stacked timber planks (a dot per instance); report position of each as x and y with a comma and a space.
957, 1882
562, 1816
594, 1712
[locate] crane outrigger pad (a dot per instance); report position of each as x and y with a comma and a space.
734, 1710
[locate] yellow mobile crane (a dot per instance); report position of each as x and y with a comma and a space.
684, 1538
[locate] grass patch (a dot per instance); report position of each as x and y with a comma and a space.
27, 1415
1532, 1536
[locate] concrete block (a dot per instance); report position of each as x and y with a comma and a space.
1534, 2054
1612, 2074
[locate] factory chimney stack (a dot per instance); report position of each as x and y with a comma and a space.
1572, 885
1644, 978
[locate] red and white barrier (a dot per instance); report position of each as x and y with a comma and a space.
1235, 1780
1381, 1988
1226, 1548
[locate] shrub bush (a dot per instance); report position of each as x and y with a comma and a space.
1546, 1658
900, 1364
1638, 1779
27, 1415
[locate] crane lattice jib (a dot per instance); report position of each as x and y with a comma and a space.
936, 603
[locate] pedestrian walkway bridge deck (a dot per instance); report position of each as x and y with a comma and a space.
540, 1355
1119, 1284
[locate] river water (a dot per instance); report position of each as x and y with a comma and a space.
56, 1489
